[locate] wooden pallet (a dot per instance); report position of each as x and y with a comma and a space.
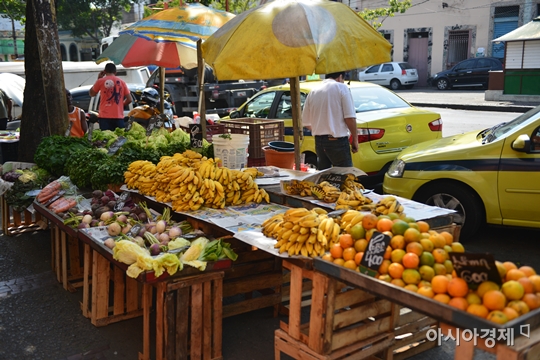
342, 320
66, 258
101, 305
188, 318
18, 222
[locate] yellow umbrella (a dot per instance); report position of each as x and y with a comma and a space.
291, 38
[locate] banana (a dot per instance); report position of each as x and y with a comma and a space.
335, 234
357, 219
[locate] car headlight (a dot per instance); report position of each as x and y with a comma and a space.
396, 169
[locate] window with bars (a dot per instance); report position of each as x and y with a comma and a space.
458, 47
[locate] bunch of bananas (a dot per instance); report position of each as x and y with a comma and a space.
299, 187
326, 192
349, 219
140, 175
387, 205
353, 200
302, 231
189, 181
350, 184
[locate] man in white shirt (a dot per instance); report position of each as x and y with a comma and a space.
330, 114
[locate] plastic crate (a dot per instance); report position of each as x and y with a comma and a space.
260, 132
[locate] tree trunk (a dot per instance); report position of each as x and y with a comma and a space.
51, 66
34, 124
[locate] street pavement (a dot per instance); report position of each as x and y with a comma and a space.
39, 320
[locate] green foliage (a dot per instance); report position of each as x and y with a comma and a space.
82, 164
53, 151
235, 6
395, 6
14, 10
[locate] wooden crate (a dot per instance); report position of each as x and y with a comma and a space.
18, 222
109, 295
453, 229
188, 318
343, 321
254, 280
66, 258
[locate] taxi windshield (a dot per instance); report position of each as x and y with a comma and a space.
528, 117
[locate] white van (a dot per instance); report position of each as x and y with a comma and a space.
78, 73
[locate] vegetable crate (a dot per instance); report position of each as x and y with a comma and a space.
18, 222
260, 132
344, 323
109, 295
66, 258
188, 318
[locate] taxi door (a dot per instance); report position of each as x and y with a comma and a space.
519, 183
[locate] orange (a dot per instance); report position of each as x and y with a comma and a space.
360, 245
383, 269
350, 264
399, 227
410, 260
397, 255
426, 258
457, 247
448, 237
327, 256
520, 306
358, 258
478, 310
411, 235
440, 255
357, 232
426, 272
535, 279
437, 239
339, 261
532, 301
422, 226
509, 265
346, 241
349, 253
459, 302
395, 270
336, 251
485, 287
439, 283
386, 278
424, 283
449, 266
427, 245
384, 224
411, 287
397, 242
498, 317
527, 270
406, 218
388, 252
447, 248
445, 299
494, 300
426, 291
388, 233
473, 298
414, 226
369, 221
439, 269
414, 247
411, 276
398, 282
457, 287
510, 313
514, 274
527, 284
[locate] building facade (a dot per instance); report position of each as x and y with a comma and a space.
434, 35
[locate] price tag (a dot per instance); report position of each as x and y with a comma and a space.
116, 145
151, 125
195, 136
134, 231
98, 232
373, 256
334, 179
475, 268
121, 201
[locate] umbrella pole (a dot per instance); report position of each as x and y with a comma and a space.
296, 118
202, 104
162, 89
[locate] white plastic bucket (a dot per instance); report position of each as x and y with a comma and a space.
233, 152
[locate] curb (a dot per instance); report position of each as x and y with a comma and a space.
499, 108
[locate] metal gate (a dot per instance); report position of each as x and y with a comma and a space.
458, 47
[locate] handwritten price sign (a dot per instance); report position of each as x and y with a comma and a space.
475, 268
374, 254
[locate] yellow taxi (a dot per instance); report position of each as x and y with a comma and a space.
489, 176
386, 123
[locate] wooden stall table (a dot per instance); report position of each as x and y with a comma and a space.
450, 318
65, 250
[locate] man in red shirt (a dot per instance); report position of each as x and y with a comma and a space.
114, 96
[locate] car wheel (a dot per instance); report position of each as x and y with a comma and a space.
452, 196
443, 84
395, 84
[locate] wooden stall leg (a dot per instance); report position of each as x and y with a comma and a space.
146, 304
196, 321
217, 308
100, 287
86, 280
58, 256
160, 319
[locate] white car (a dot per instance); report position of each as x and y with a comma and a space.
391, 74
